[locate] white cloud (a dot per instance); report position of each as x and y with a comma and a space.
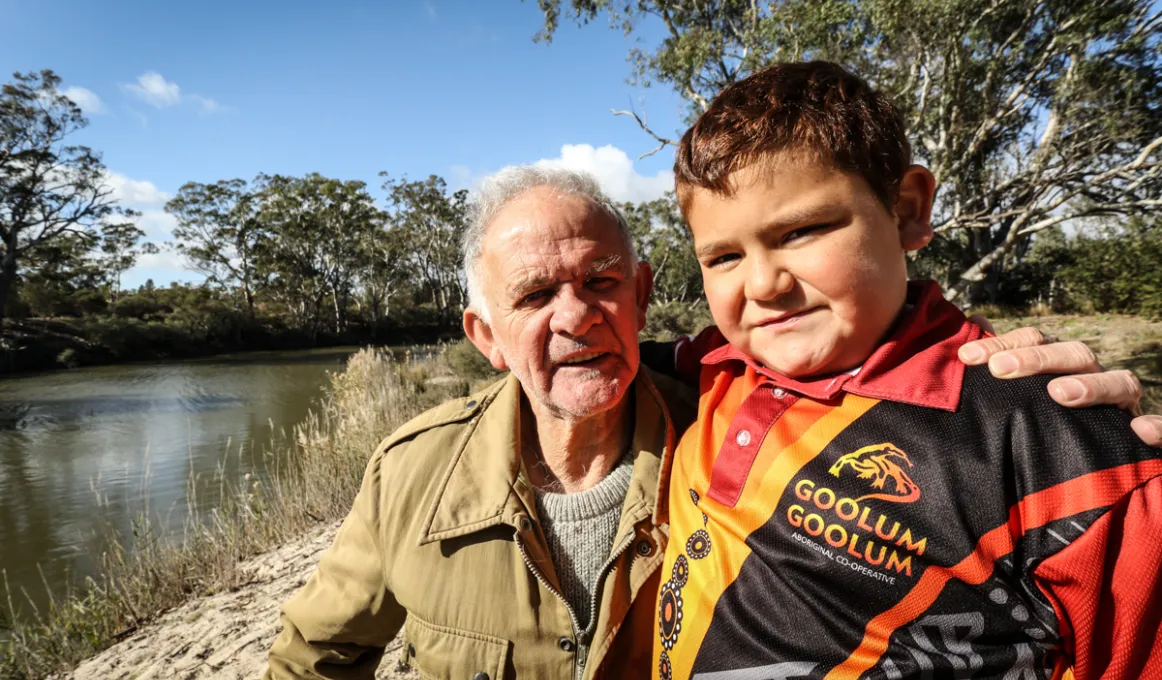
85, 98
134, 192
205, 103
614, 171
431, 9
153, 88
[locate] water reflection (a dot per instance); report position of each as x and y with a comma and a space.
92, 448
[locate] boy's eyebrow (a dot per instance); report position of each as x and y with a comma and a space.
791, 218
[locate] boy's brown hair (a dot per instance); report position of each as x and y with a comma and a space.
815, 108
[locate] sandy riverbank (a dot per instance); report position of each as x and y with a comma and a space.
225, 635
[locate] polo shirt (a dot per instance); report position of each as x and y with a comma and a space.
914, 518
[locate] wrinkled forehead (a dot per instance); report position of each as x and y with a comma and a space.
542, 222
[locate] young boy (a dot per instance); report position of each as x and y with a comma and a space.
854, 502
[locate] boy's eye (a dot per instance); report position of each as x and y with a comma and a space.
804, 231
720, 260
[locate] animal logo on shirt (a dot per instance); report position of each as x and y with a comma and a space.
882, 466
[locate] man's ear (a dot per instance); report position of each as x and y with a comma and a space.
914, 207
645, 289
480, 334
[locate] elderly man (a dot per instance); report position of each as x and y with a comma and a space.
515, 533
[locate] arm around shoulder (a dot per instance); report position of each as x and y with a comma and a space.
339, 623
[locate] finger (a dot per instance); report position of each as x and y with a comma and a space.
1060, 357
1149, 428
1117, 388
983, 323
979, 351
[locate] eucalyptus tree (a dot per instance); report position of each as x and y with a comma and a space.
431, 221
219, 233
120, 249
50, 190
316, 230
662, 238
1031, 113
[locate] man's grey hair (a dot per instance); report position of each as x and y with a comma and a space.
506, 185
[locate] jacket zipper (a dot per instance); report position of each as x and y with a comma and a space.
585, 637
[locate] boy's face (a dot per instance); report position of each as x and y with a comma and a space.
804, 267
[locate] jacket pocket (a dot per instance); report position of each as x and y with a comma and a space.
441, 653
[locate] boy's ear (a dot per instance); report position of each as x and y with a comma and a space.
645, 289
914, 207
480, 334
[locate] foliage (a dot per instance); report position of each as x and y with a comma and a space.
1031, 113
50, 191
662, 239
1117, 270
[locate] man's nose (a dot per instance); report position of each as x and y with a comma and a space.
767, 278
572, 314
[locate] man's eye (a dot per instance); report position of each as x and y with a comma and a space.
602, 282
720, 260
535, 297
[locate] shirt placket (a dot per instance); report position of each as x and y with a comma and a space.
765, 405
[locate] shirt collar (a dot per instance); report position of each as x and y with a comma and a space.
917, 365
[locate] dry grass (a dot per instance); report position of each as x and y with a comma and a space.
312, 479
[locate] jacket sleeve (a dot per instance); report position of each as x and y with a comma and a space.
339, 623
682, 358
1107, 588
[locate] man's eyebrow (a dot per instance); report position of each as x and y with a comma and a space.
606, 263
519, 288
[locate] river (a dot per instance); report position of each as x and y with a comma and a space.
88, 450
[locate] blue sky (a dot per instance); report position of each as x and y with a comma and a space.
179, 92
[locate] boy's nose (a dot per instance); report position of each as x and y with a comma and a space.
767, 279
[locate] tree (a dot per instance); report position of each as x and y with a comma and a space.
49, 190
661, 237
316, 228
218, 232
1031, 113
432, 222
120, 248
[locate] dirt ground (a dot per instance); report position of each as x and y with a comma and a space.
225, 635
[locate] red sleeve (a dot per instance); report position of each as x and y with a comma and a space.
688, 353
1107, 589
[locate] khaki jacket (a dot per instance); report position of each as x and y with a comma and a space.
443, 541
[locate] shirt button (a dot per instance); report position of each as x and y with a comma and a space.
743, 437
779, 392
644, 548
480, 676
566, 645
526, 524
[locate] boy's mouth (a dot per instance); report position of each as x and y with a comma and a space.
784, 322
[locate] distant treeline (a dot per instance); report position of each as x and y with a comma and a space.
301, 261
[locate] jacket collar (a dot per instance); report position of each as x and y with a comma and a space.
918, 364
484, 484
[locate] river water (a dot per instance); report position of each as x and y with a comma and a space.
88, 450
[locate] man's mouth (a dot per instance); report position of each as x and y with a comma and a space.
581, 359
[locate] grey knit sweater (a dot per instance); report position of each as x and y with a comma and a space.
580, 528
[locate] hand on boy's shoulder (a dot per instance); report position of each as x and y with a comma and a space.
1084, 382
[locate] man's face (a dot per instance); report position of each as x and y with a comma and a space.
803, 267
566, 302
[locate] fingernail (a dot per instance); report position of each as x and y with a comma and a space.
971, 354
1002, 365
1068, 390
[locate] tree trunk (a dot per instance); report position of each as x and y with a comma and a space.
7, 276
